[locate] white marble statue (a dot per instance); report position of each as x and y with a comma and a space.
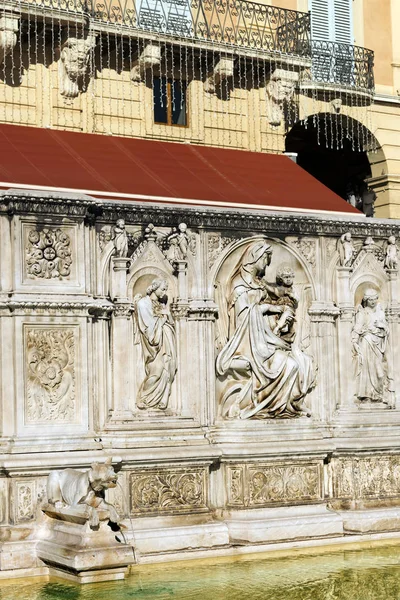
266, 375
369, 338
391, 258
156, 334
120, 239
346, 250
178, 242
74, 489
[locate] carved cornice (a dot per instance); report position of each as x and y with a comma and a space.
91, 309
272, 223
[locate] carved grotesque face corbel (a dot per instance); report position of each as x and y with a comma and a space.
74, 63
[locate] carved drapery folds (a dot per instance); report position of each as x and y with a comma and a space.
148, 59
262, 370
9, 27
48, 254
50, 375
74, 64
280, 92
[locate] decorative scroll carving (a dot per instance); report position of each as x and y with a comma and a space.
50, 385
263, 374
175, 490
370, 477
391, 253
25, 501
9, 27
222, 71
274, 484
216, 244
155, 332
48, 254
280, 91
307, 248
369, 338
149, 58
73, 65
346, 250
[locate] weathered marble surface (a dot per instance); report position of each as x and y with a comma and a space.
259, 317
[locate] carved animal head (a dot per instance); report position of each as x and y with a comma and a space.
104, 476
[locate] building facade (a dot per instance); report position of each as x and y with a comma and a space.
252, 76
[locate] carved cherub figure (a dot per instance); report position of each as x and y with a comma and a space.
391, 259
282, 294
178, 242
346, 250
120, 239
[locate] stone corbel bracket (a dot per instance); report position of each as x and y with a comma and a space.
74, 64
223, 71
9, 27
280, 91
149, 58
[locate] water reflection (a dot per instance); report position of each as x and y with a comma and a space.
349, 575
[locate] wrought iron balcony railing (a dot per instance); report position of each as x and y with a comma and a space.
342, 65
235, 23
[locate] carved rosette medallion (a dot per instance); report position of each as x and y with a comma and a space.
168, 491
263, 485
48, 254
50, 375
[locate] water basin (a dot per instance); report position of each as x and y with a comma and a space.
365, 574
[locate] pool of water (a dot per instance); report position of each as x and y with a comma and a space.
371, 574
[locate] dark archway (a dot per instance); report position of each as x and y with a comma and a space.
327, 149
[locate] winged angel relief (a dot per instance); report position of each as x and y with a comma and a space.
262, 367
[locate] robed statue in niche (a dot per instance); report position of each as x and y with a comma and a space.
370, 342
155, 332
263, 372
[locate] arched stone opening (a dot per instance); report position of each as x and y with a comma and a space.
327, 147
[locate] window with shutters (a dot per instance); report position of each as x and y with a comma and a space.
332, 39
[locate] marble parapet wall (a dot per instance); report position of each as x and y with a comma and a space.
241, 364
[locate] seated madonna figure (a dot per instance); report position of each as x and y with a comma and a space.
264, 374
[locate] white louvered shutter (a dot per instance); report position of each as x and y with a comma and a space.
321, 20
342, 16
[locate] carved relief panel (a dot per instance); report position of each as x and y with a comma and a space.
366, 478
48, 257
168, 491
52, 368
264, 365
261, 485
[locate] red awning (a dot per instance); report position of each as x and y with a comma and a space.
147, 170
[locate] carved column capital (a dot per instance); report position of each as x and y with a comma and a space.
180, 310
202, 310
321, 312
9, 26
123, 310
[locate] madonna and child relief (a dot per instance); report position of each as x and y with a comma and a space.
263, 366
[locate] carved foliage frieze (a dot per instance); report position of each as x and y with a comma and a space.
48, 254
263, 485
373, 477
50, 375
216, 244
25, 501
307, 248
172, 490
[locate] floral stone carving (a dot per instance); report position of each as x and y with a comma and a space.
48, 254
168, 491
50, 386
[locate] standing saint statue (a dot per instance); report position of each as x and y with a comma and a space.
156, 334
264, 374
120, 239
369, 338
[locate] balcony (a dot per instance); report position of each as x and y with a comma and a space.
342, 67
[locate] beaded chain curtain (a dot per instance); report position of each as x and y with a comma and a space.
230, 73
